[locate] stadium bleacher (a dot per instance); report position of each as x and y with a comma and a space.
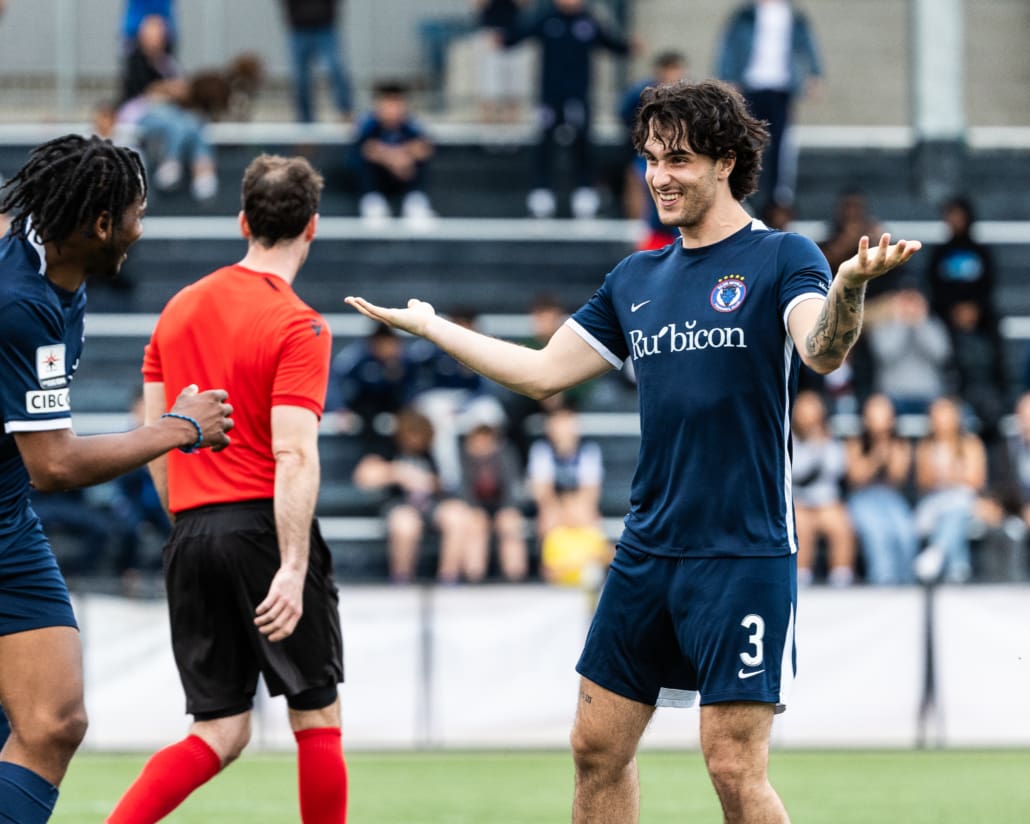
484, 255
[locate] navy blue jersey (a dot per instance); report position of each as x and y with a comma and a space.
39, 351
716, 374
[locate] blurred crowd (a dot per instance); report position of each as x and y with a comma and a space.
914, 457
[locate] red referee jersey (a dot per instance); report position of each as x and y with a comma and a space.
246, 332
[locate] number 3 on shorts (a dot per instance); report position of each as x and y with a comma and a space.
757, 624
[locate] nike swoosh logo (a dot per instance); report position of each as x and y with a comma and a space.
742, 675
636, 306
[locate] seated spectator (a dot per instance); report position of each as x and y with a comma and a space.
404, 469
453, 397
136, 505
852, 218
391, 157
638, 202
960, 277
818, 475
910, 352
879, 464
83, 526
951, 471
491, 486
154, 98
370, 381
565, 474
546, 315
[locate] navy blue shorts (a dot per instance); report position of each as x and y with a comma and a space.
667, 628
33, 594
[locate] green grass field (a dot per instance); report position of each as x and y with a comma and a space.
836, 787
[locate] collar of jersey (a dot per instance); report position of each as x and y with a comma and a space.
754, 226
35, 243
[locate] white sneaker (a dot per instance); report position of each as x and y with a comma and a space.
541, 203
417, 211
585, 203
204, 187
374, 208
929, 564
168, 174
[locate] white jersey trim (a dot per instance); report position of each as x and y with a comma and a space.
37, 426
787, 673
33, 238
594, 343
795, 302
788, 494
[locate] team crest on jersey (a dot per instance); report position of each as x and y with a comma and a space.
729, 293
50, 365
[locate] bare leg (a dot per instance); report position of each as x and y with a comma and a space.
604, 746
404, 531
511, 544
467, 556
735, 743
41, 692
805, 525
226, 736
452, 519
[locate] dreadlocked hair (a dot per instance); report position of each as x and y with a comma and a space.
69, 182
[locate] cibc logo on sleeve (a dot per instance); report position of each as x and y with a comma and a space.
50, 366
47, 401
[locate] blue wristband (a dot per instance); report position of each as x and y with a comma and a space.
200, 432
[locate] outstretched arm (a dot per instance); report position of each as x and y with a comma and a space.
825, 330
539, 373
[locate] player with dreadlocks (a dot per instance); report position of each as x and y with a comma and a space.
75, 208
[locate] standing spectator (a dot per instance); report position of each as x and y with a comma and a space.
491, 486
667, 67
951, 470
568, 34
248, 575
769, 52
499, 68
910, 352
961, 282
405, 470
371, 380
314, 36
818, 477
879, 465
154, 94
136, 11
76, 208
391, 156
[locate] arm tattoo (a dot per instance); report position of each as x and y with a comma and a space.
837, 327
586, 697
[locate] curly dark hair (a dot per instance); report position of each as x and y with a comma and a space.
279, 196
712, 118
69, 182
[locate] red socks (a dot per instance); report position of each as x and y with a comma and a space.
174, 772
323, 776
167, 779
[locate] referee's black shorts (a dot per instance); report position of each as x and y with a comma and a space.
219, 562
